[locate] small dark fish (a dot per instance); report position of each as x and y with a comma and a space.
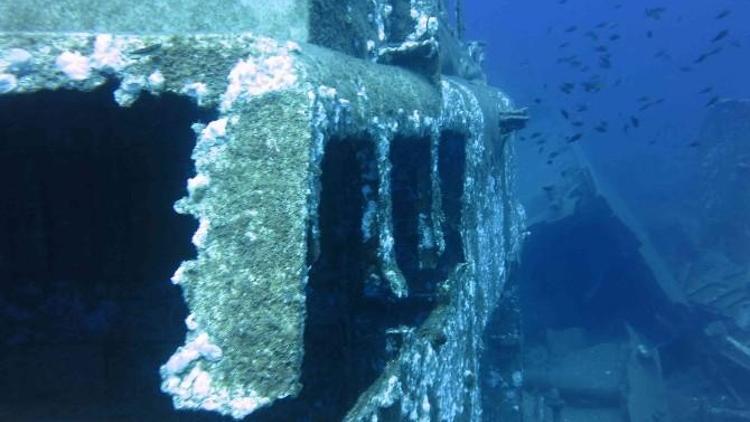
575, 137
565, 44
635, 122
701, 58
662, 54
537, 100
602, 25
581, 108
601, 49
553, 154
651, 104
649, 34
592, 86
577, 124
614, 37
694, 144
721, 35
565, 114
592, 35
706, 90
567, 87
723, 14
713, 101
655, 13
707, 54
535, 135
643, 99
571, 29
548, 188
601, 128
549, 162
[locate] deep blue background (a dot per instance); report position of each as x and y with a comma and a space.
524, 40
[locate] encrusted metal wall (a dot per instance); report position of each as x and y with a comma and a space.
256, 193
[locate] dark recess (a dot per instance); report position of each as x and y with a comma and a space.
346, 343
452, 169
345, 339
89, 243
411, 196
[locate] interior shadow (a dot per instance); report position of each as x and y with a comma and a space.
89, 243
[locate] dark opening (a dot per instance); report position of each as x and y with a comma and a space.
342, 338
411, 195
345, 339
89, 243
411, 189
452, 169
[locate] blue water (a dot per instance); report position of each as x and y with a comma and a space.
524, 41
657, 93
